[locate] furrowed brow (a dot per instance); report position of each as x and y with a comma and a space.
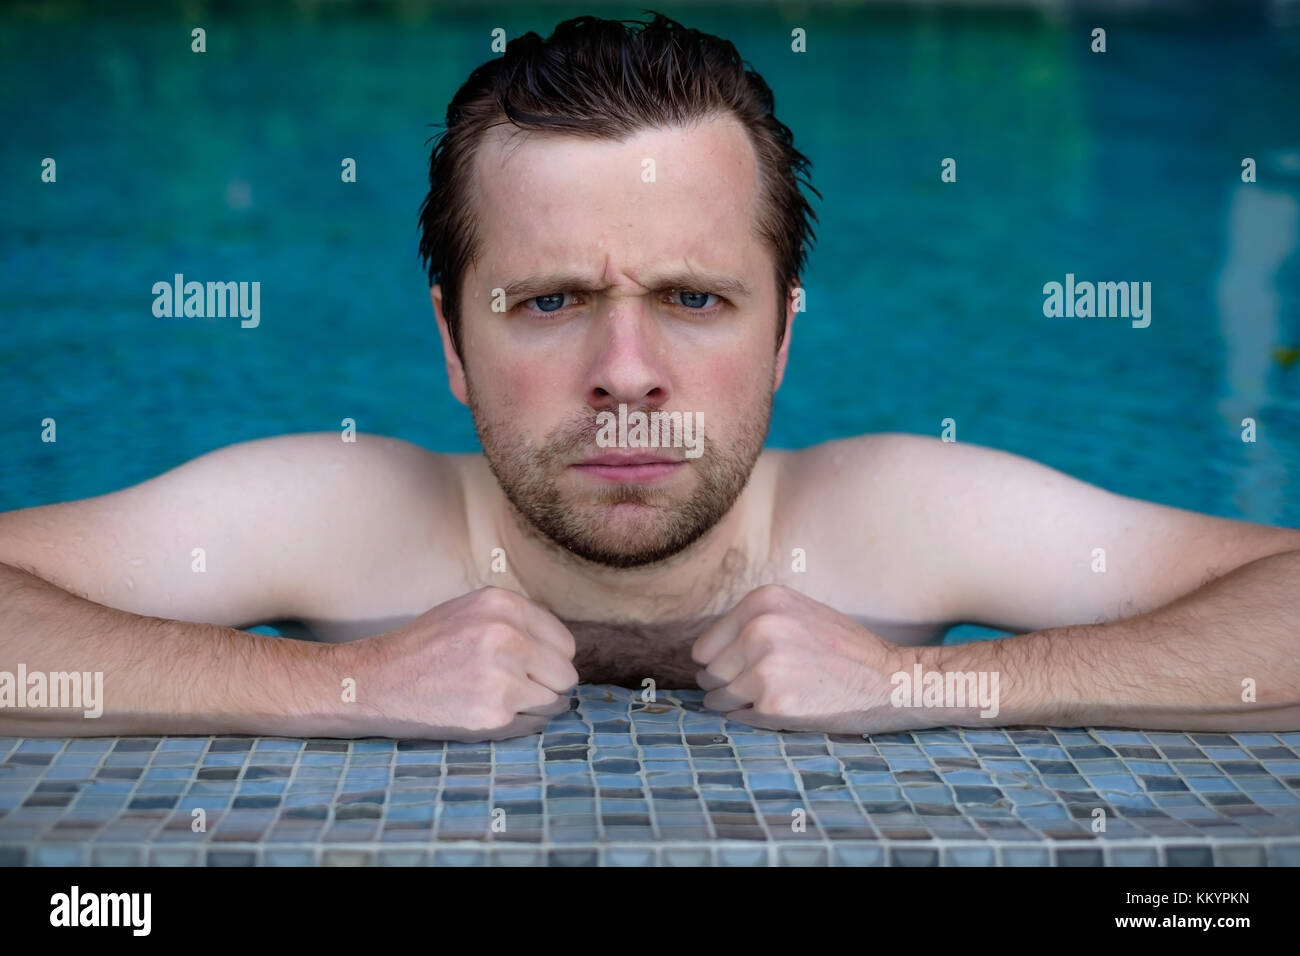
526, 287
700, 282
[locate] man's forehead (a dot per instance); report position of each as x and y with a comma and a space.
719, 141
548, 201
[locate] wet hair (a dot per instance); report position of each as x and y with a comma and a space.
608, 79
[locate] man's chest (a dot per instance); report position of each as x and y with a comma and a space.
634, 654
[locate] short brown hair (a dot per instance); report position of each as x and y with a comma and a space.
605, 79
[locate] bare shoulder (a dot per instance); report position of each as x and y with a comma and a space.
899, 467
283, 526
839, 491
385, 521
316, 449
845, 466
377, 500
370, 459
919, 492
375, 477
961, 532
873, 513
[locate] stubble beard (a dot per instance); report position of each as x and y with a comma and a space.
619, 525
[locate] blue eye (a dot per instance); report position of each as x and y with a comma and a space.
549, 303
695, 300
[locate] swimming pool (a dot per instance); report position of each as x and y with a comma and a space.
925, 299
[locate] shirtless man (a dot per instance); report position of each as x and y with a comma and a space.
463, 596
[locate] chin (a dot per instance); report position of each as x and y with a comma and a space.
609, 555
630, 524
626, 535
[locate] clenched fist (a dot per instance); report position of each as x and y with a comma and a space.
487, 665
783, 661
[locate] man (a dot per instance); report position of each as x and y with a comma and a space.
615, 229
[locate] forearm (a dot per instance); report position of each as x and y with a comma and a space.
155, 676
1191, 665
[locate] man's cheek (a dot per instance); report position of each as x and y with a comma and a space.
732, 391
519, 388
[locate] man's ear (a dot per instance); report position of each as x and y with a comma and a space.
455, 370
783, 352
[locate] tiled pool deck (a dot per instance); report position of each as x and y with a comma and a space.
618, 781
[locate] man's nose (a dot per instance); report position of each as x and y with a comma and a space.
629, 363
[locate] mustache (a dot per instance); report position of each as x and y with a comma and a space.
577, 434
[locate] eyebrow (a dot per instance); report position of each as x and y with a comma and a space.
526, 287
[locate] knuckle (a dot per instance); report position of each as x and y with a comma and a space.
775, 702
495, 637
487, 715
495, 600
761, 636
770, 672
770, 595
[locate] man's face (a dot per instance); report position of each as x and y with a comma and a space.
632, 276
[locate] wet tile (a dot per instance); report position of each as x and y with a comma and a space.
666, 785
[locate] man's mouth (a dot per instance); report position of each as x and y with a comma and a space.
628, 468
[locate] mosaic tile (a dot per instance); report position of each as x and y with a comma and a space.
619, 782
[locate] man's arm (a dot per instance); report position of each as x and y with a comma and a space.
157, 675
1226, 657
1139, 615
252, 532
485, 666
115, 584
967, 534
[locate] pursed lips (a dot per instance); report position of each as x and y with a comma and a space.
628, 467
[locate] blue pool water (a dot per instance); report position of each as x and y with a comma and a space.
924, 298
